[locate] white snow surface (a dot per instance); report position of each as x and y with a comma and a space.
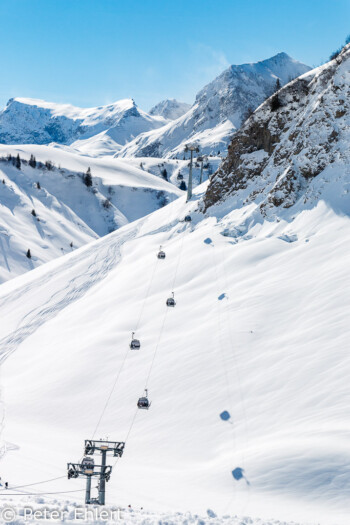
260, 329
66, 210
43, 510
219, 109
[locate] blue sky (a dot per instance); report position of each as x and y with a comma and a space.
93, 52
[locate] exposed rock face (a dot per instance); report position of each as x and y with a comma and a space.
289, 140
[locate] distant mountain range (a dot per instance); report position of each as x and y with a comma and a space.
32, 121
124, 130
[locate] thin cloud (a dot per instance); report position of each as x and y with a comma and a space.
203, 65
210, 61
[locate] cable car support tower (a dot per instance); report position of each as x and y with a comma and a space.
89, 469
191, 148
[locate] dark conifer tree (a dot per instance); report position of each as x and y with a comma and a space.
18, 162
32, 161
88, 178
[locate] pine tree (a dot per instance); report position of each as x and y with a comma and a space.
18, 162
88, 178
38, 185
277, 85
32, 161
183, 186
34, 213
28, 254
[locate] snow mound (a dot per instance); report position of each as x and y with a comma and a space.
33, 510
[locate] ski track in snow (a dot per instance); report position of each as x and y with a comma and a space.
98, 269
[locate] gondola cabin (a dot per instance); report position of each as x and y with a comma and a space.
161, 253
135, 343
143, 402
171, 301
87, 465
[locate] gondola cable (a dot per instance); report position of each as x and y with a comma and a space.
126, 352
32, 484
157, 345
19, 493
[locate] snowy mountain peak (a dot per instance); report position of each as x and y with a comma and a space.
220, 108
69, 110
170, 109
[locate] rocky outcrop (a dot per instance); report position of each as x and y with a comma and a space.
288, 141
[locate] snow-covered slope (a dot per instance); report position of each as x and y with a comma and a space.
32, 121
260, 329
45, 210
170, 109
219, 109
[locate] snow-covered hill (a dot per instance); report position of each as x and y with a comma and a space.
219, 109
170, 109
50, 211
260, 330
32, 121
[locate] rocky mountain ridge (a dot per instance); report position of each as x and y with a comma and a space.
219, 109
294, 143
